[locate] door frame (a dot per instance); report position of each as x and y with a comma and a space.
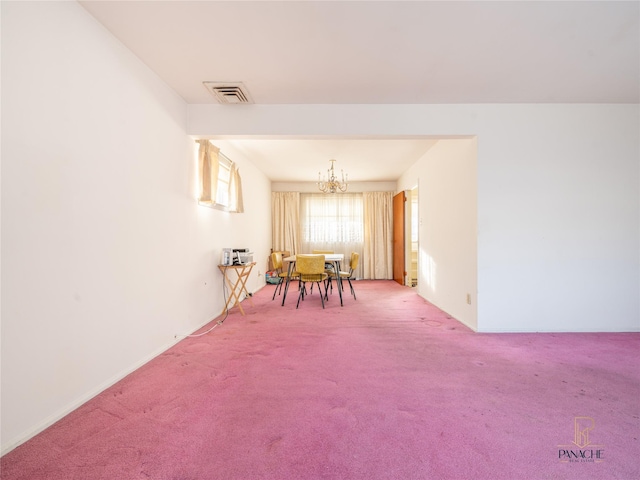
399, 228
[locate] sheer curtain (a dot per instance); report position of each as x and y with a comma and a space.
332, 222
285, 215
207, 171
377, 261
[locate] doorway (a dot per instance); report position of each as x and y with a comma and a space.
399, 238
405, 237
412, 237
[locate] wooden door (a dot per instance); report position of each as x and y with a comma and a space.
399, 271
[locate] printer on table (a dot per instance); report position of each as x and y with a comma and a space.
242, 256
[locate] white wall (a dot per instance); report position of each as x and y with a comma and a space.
105, 254
251, 229
558, 199
447, 232
558, 220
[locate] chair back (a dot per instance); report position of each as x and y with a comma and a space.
276, 260
310, 264
355, 258
328, 266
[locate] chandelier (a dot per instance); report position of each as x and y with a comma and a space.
330, 183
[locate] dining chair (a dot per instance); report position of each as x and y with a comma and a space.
310, 268
329, 267
348, 276
278, 266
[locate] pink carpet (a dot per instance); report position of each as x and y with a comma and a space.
386, 387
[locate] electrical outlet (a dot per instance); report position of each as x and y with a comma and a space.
259, 273
469, 298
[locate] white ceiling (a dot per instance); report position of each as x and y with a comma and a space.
383, 52
296, 160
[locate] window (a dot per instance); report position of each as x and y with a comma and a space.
224, 177
219, 178
331, 219
333, 223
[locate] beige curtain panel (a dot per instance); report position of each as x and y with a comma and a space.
285, 214
235, 190
208, 171
377, 260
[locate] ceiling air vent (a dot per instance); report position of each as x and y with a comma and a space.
229, 92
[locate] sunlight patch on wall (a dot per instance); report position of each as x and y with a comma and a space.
428, 270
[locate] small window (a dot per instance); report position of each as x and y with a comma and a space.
224, 177
219, 180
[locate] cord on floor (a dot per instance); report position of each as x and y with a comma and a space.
218, 323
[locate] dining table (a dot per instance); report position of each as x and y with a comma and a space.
335, 258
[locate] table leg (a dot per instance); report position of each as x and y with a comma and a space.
338, 280
233, 296
286, 286
236, 289
242, 279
